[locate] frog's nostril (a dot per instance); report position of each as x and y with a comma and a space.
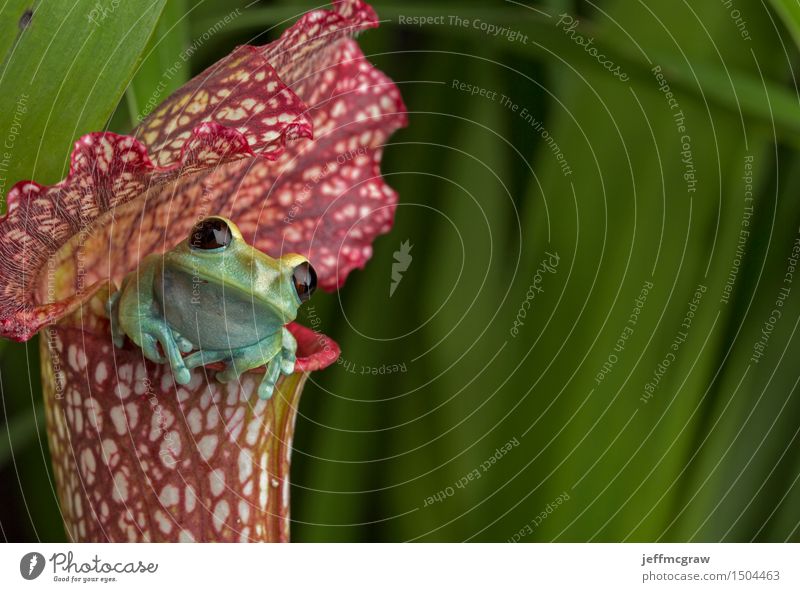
305, 280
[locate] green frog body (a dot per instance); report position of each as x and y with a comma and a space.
217, 299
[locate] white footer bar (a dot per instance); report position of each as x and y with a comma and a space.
351, 567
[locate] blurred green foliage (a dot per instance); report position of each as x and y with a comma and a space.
65, 67
712, 455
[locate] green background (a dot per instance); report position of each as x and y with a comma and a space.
713, 453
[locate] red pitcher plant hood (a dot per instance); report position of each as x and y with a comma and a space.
285, 140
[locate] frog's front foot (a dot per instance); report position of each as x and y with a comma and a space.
276, 352
240, 365
281, 361
147, 332
156, 331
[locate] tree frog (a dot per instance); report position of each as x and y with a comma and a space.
217, 297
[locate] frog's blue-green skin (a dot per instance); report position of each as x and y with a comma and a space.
225, 305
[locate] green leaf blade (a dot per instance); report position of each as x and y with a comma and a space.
63, 78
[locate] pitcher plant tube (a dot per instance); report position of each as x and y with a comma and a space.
285, 141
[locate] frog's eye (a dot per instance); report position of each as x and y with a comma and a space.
305, 280
210, 234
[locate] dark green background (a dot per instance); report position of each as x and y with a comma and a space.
714, 453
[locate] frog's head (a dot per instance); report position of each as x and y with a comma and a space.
216, 253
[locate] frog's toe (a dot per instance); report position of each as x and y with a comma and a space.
230, 373
184, 345
265, 389
150, 349
179, 370
182, 375
287, 364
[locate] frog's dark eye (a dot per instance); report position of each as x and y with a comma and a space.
305, 280
209, 234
